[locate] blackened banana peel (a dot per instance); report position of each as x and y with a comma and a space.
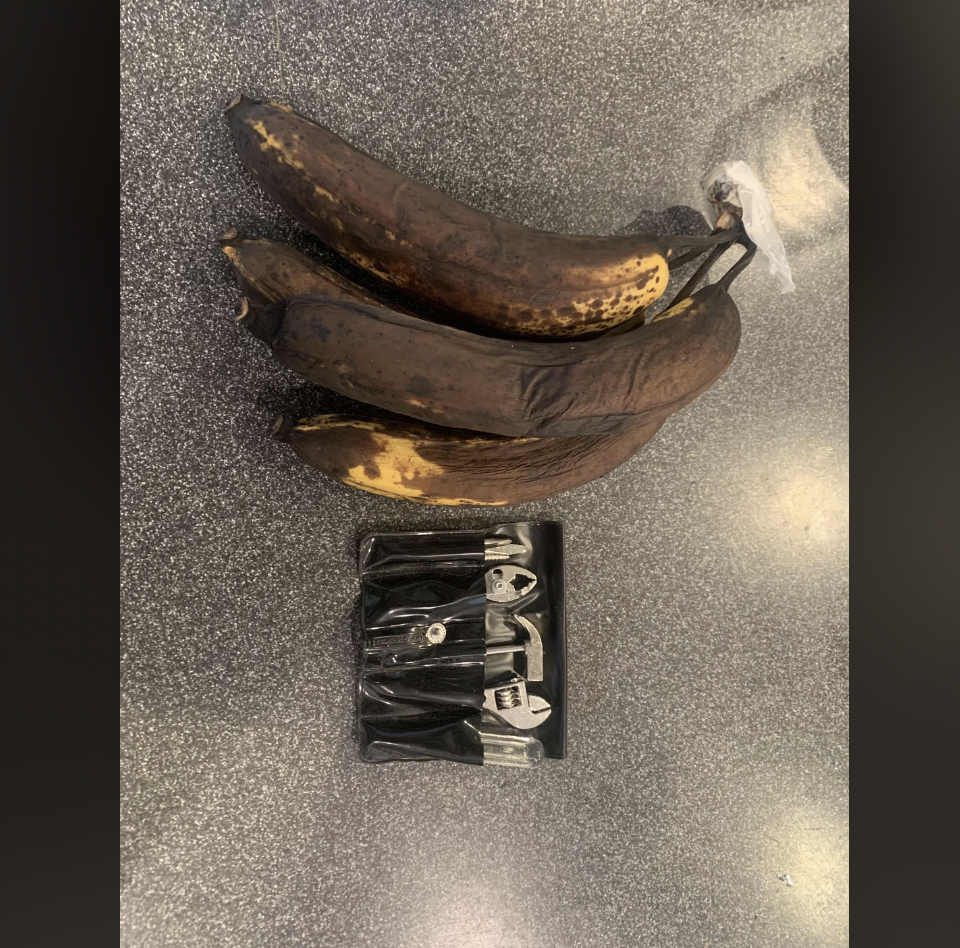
268, 271
518, 388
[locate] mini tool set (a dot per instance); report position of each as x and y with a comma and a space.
463, 655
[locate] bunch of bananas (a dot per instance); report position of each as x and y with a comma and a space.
563, 378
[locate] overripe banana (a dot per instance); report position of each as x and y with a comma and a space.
433, 465
518, 388
268, 271
500, 274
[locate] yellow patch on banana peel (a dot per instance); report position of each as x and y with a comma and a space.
325, 422
234, 257
396, 461
677, 310
396, 276
618, 299
620, 274
271, 142
318, 422
389, 484
323, 192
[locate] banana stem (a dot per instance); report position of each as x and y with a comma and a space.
723, 236
691, 285
634, 321
678, 262
701, 271
715, 255
740, 265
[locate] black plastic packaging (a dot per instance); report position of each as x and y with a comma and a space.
425, 701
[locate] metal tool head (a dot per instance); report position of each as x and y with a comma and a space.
510, 702
498, 549
500, 553
508, 583
532, 649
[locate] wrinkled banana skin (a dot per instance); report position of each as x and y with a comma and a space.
518, 388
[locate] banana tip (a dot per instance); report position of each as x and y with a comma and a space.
281, 428
234, 102
244, 311
228, 235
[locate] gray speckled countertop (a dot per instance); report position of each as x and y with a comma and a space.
707, 577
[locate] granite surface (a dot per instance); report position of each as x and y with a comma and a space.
704, 802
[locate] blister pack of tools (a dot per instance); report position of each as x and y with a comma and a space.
463, 646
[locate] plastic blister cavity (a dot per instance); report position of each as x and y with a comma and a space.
734, 183
511, 750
